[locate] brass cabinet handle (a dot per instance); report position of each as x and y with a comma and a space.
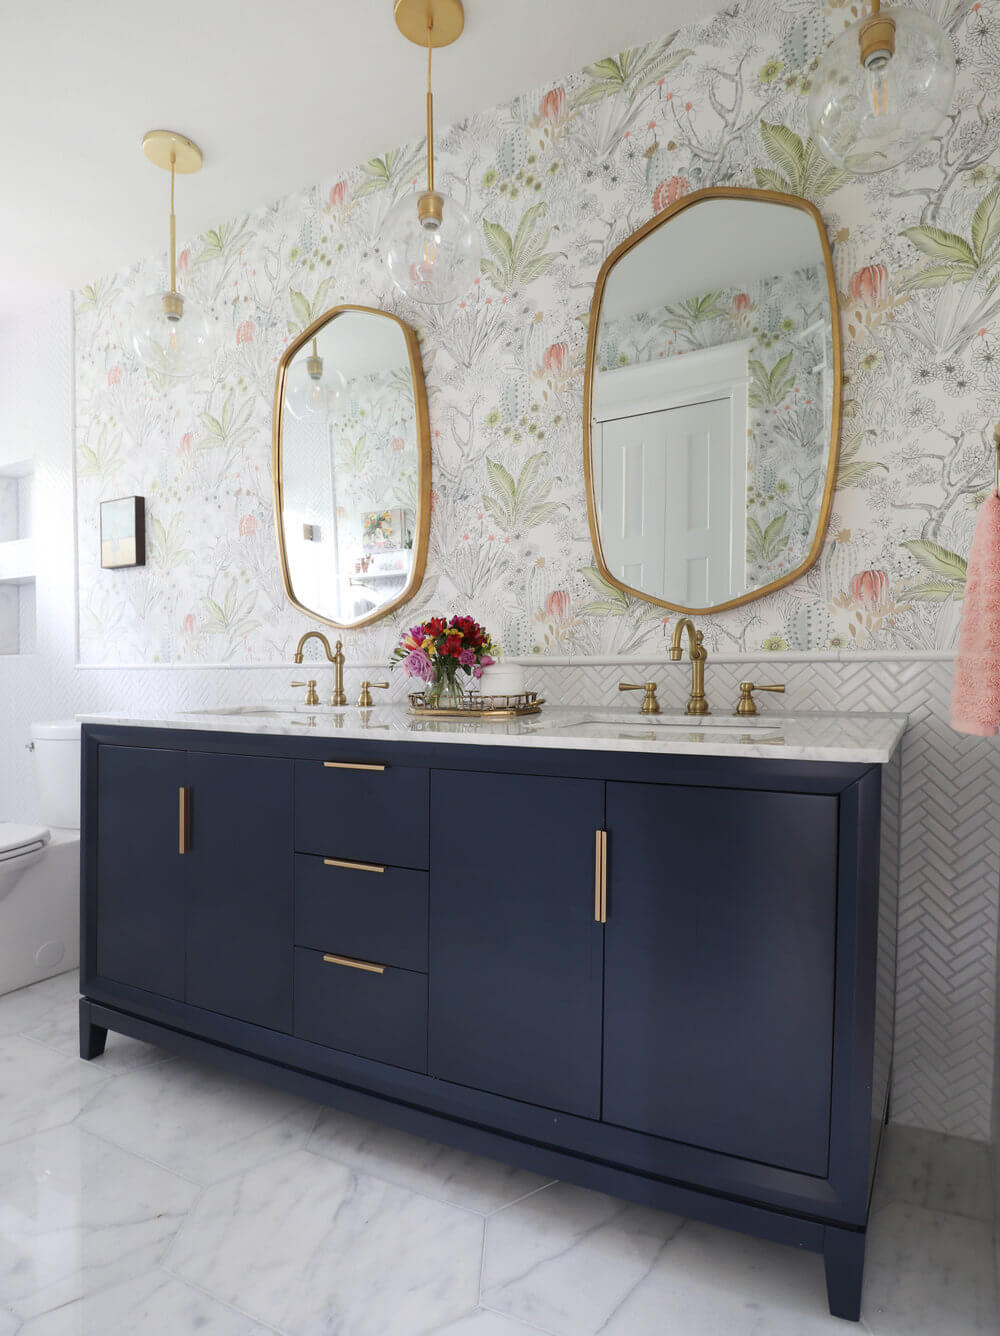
183, 819
351, 765
600, 876
360, 867
365, 965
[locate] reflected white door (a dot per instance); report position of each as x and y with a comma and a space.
669, 519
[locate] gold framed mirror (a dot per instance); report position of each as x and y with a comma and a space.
352, 467
712, 400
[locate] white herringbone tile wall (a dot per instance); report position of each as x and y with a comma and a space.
950, 829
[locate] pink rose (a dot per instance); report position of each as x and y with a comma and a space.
417, 664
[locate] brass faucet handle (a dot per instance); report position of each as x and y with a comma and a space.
365, 701
311, 696
747, 705
650, 705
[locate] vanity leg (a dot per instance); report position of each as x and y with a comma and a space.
92, 1037
844, 1258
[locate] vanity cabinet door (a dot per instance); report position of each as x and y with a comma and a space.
719, 979
515, 952
239, 894
140, 869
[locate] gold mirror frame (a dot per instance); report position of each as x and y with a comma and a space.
423, 521
685, 202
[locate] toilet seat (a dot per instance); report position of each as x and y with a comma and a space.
16, 840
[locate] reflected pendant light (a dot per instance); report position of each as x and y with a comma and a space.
882, 89
431, 247
315, 392
171, 334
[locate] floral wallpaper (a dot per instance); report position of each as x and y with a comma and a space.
555, 179
786, 321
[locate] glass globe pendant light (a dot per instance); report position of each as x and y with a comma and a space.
431, 246
881, 90
315, 392
171, 334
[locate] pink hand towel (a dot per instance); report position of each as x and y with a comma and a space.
975, 695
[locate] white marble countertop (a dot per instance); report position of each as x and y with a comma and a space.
866, 738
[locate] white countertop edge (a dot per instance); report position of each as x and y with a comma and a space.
876, 737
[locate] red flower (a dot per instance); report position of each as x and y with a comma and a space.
870, 285
555, 357
667, 192
871, 588
553, 106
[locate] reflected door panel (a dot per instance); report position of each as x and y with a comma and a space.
666, 499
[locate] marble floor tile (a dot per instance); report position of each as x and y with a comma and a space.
27, 1007
196, 1120
483, 1322
76, 1215
154, 1304
929, 1274
940, 1172
312, 1247
40, 1088
424, 1166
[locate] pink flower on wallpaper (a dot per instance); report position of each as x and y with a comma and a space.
870, 589
668, 192
188, 624
115, 376
553, 106
741, 303
870, 285
244, 332
398, 443
556, 358
184, 259
338, 196
557, 605
248, 526
187, 440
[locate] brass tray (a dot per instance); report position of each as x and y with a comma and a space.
477, 706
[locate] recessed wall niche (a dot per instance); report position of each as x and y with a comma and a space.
17, 559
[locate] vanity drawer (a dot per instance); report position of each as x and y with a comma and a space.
371, 814
372, 911
377, 1015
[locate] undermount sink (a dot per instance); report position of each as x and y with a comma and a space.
677, 719
269, 711
647, 729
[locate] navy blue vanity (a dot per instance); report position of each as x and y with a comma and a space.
667, 977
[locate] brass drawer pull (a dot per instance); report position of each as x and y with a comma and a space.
365, 965
359, 867
183, 819
351, 765
600, 876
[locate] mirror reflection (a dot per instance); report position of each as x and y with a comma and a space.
714, 400
351, 467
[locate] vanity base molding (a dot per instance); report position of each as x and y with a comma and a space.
525, 1011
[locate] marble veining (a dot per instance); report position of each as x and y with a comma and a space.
353, 1230
849, 737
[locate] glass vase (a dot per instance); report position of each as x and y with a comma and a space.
444, 693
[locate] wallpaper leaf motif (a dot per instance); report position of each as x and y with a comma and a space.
557, 178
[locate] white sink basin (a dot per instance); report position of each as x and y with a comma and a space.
678, 719
647, 730
269, 711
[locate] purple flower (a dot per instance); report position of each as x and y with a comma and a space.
467, 658
486, 661
477, 671
417, 664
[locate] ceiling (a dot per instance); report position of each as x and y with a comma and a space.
278, 96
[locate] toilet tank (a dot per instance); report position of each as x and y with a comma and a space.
57, 769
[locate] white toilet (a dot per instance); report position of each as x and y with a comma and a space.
40, 867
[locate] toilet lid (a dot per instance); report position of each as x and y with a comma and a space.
18, 840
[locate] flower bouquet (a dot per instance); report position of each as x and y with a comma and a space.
437, 651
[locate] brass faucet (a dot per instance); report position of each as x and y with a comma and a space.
698, 654
339, 696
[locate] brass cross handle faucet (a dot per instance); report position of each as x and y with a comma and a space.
747, 705
365, 701
698, 654
339, 696
650, 705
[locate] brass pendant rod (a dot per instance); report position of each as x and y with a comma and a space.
173, 226
430, 109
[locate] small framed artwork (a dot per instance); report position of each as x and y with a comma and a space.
382, 529
123, 532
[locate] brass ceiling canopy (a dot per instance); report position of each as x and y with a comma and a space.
167, 148
877, 38
444, 18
